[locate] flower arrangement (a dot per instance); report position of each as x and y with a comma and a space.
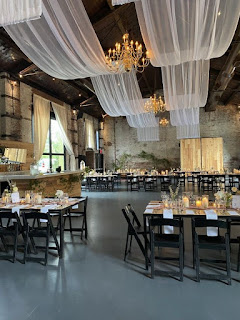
59, 194
224, 196
173, 194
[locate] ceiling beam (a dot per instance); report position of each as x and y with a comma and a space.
232, 96
225, 75
117, 18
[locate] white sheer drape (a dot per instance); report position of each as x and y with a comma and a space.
15, 11
41, 113
118, 2
177, 31
148, 134
61, 114
186, 85
143, 120
119, 94
89, 135
62, 42
188, 132
184, 117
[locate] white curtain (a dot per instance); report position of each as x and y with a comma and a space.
61, 114
62, 42
118, 2
188, 132
41, 124
184, 117
186, 85
15, 11
89, 135
119, 94
143, 120
177, 31
148, 134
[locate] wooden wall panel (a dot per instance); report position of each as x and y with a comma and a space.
20, 145
212, 154
190, 154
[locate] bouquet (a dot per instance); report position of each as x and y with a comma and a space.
59, 194
173, 194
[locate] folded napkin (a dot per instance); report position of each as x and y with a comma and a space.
168, 214
190, 212
211, 215
233, 213
75, 206
45, 210
18, 208
148, 211
153, 206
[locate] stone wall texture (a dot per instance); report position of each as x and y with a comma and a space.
119, 138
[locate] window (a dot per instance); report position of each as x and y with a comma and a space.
54, 152
90, 134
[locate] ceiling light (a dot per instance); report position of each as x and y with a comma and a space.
164, 122
155, 104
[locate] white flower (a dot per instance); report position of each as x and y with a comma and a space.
234, 189
59, 194
219, 195
15, 189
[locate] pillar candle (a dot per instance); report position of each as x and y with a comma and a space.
205, 202
198, 203
185, 202
27, 198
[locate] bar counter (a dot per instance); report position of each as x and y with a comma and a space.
47, 183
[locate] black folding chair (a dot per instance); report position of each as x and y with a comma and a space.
133, 231
10, 227
78, 213
38, 231
161, 240
211, 243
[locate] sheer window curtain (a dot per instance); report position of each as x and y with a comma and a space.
61, 114
15, 11
148, 134
90, 141
41, 124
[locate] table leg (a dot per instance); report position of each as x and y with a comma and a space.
146, 242
61, 234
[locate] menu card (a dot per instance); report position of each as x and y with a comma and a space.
236, 201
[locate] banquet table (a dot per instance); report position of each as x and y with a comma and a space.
155, 208
50, 205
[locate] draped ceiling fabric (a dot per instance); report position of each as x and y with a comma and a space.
119, 94
186, 85
148, 134
15, 11
61, 117
62, 42
41, 124
143, 120
177, 31
188, 132
184, 117
118, 2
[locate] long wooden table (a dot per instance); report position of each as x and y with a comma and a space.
184, 213
60, 209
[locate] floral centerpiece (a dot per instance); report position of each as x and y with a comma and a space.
59, 194
224, 197
174, 194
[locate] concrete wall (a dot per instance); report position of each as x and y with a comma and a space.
120, 138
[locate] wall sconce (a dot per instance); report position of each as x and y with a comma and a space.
74, 111
101, 125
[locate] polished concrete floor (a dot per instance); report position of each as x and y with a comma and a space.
93, 282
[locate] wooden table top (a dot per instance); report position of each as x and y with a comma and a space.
191, 211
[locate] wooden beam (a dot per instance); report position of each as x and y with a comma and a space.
47, 96
232, 96
117, 18
225, 75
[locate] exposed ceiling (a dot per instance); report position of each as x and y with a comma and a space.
110, 23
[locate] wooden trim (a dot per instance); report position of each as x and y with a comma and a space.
47, 96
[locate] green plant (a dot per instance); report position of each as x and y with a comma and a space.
122, 162
159, 164
70, 180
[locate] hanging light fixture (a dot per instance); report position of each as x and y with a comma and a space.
128, 56
155, 104
164, 122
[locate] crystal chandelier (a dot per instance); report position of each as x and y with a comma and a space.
164, 122
127, 57
155, 105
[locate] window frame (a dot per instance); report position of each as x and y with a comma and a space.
50, 153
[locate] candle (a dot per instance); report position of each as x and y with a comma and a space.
198, 203
214, 205
27, 198
205, 202
4, 199
39, 199
185, 202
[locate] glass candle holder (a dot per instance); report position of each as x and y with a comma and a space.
205, 201
28, 196
198, 202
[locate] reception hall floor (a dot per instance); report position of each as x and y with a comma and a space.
93, 281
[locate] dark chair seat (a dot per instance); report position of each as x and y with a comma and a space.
167, 240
